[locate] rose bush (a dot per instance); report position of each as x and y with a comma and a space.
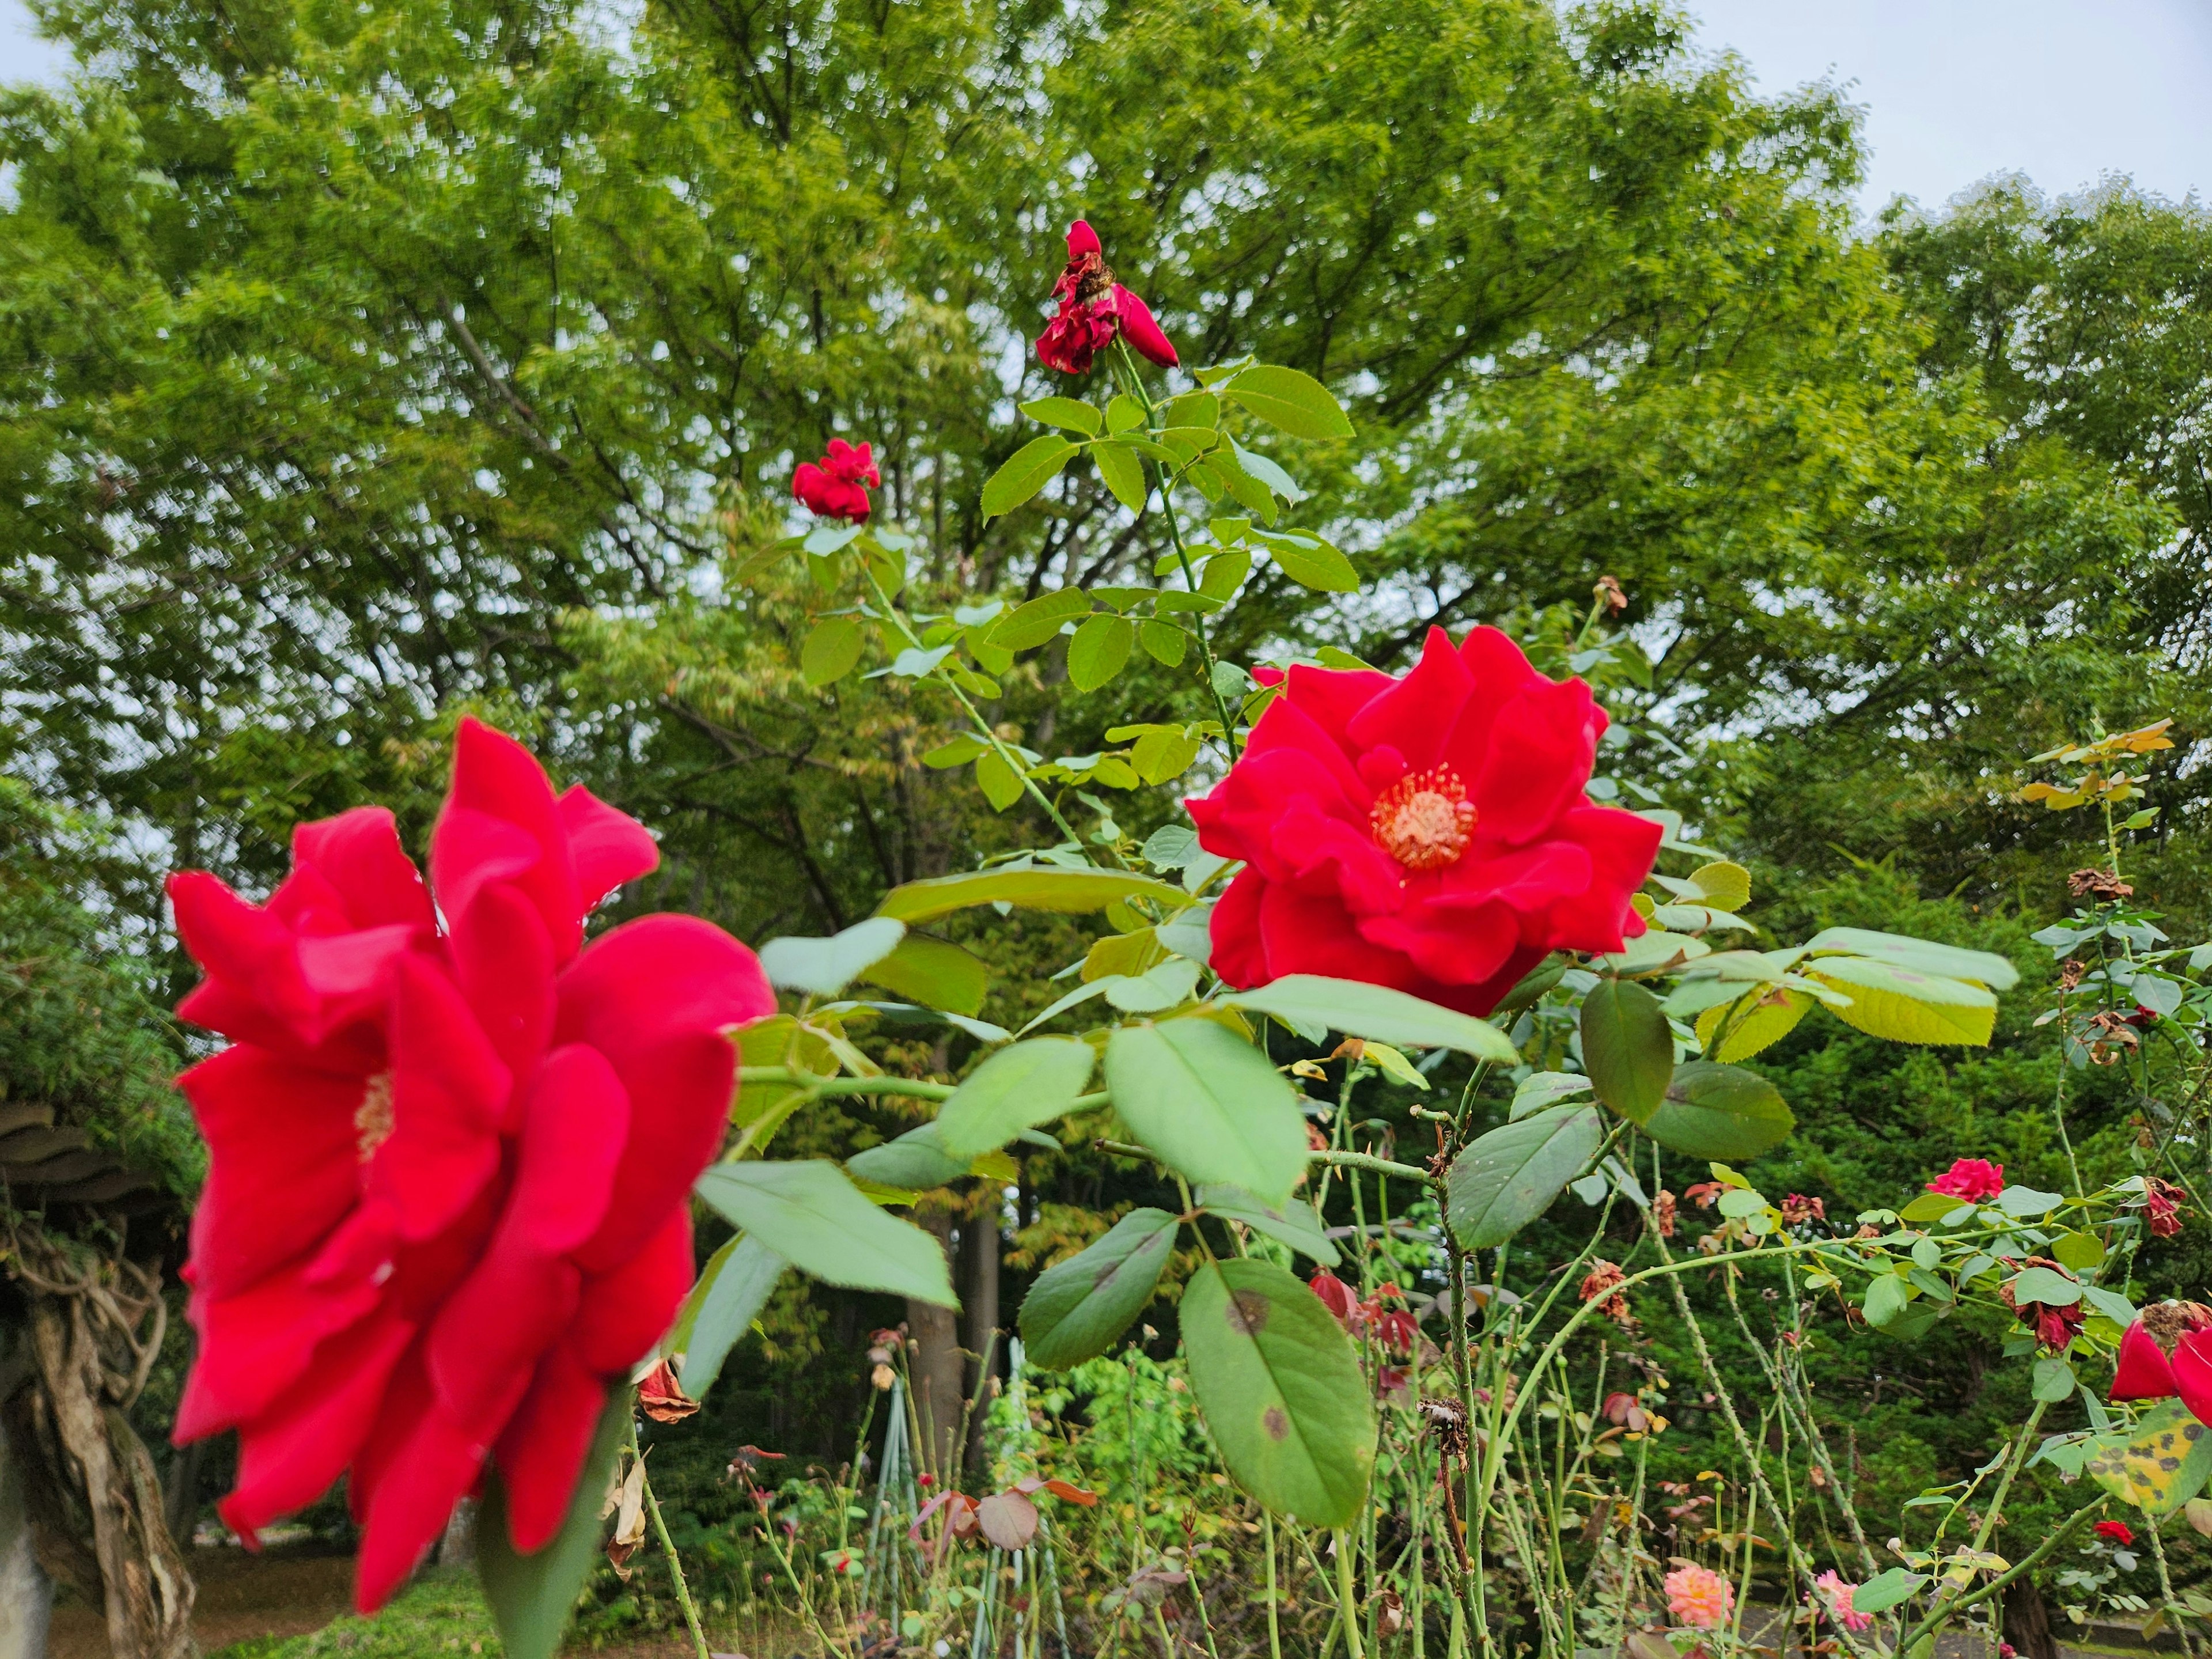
1428, 832
450, 1150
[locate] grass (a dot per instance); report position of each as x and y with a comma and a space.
440, 1614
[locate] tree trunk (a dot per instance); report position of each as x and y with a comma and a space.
935, 1366
980, 1249
143, 1578
26, 1595
458, 1548
180, 1500
2027, 1621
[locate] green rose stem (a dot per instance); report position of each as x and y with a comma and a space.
1126, 367
668, 1547
1006, 757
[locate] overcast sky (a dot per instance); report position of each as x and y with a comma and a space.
2065, 91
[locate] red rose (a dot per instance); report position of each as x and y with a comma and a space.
833, 487
2117, 1531
1093, 309
2168, 1352
1428, 833
450, 1153
1973, 1179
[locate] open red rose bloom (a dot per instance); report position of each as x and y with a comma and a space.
451, 1149
1429, 833
837, 485
2168, 1352
1093, 309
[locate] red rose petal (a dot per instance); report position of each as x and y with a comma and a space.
257, 1344
448, 1092
288, 1457
503, 960
1418, 713
2144, 1371
282, 1169
1541, 751
607, 847
541, 1453
626, 1310
359, 854
415, 1466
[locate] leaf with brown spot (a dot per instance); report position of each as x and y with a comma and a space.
1281, 1389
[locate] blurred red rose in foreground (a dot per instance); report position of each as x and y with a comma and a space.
1428, 833
837, 486
1093, 309
450, 1150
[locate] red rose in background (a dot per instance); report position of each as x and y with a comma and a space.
450, 1153
1093, 309
1973, 1179
837, 486
1428, 833
2168, 1352
2117, 1532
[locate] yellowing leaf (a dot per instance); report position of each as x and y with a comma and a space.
2159, 1465
1761, 1020
1904, 1006
1725, 886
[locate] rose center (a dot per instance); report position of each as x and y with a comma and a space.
1424, 820
372, 1119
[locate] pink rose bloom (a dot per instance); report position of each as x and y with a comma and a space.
1973, 1179
1699, 1597
1837, 1594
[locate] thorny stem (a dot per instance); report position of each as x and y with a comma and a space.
2174, 1610
1006, 756
1134, 384
1348, 1595
668, 1548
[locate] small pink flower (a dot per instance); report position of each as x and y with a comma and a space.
1837, 1594
1699, 1597
1974, 1179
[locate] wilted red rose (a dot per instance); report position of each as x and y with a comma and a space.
450, 1153
1428, 833
2162, 1205
1973, 1179
1797, 1209
837, 486
1093, 309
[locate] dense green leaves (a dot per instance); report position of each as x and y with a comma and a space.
1281, 1389
1509, 1177
1078, 1307
809, 1214
1209, 1103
